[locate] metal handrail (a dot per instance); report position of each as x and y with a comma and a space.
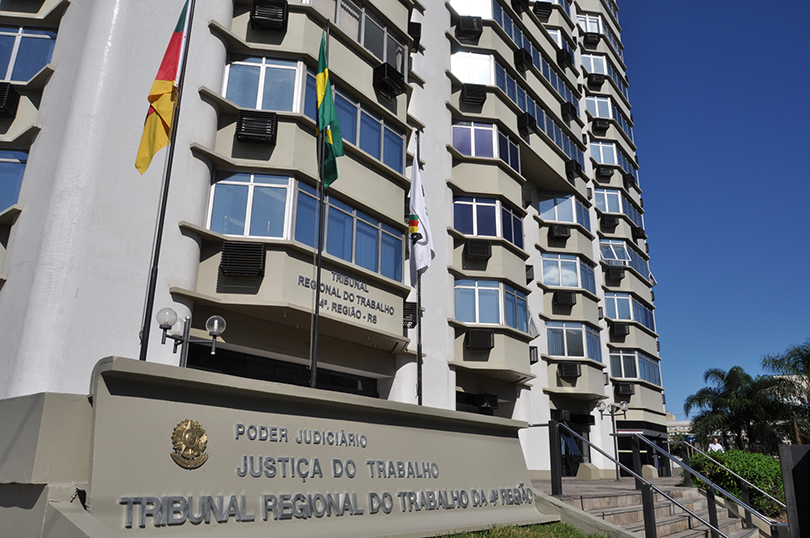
642, 479
777, 501
686, 467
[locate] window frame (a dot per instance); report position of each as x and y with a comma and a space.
251, 186
24, 32
299, 86
586, 334
13, 157
581, 266
504, 291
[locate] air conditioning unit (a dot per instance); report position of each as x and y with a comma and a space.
569, 111
543, 10
614, 272
561, 414
486, 401
569, 369
620, 329
638, 233
520, 6
529, 274
269, 15
9, 100
415, 31
573, 169
526, 124
559, 231
242, 259
388, 81
591, 39
600, 125
604, 171
410, 315
523, 59
595, 80
565, 298
534, 357
480, 339
469, 27
652, 295
609, 221
256, 126
647, 247
478, 250
629, 180
564, 59
625, 389
473, 94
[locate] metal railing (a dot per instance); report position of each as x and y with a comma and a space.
646, 487
744, 484
711, 487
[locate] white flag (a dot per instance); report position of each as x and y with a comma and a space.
421, 240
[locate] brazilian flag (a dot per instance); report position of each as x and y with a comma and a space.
327, 120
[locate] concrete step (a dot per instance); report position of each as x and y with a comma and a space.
624, 515
703, 532
671, 525
597, 501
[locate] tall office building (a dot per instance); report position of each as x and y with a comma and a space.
538, 303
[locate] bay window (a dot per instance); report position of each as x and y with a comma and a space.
607, 153
616, 252
250, 205
594, 24
594, 63
623, 365
24, 51
564, 208
621, 306
567, 339
479, 140
613, 201
370, 132
12, 168
479, 216
490, 302
567, 271
603, 107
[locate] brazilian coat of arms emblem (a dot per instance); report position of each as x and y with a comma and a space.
189, 441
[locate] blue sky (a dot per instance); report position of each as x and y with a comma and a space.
721, 123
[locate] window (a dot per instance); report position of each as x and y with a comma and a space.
12, 168
478, 140
616, 252
564, 208
607, 153
350, 234
24, 51
603, 107
512, 88
573, 340
354, 19
594, 24
251, 205
475, 8
623, 364
479, 216
567, 271
479, 301
618, 306
613, 201
265, 83
472, 68
594, 63
370, 132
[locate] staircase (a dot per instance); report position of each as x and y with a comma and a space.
623, 507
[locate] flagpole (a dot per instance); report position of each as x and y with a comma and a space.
316, 317
153, 272
418, 305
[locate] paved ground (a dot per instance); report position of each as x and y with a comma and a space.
572, 486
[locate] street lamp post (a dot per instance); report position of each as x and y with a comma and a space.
166, 319
613, 410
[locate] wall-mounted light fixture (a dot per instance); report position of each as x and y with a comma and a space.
166, 318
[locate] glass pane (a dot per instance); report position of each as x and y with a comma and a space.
610, 307
6, 46
485, 215
243, 85
573, 339
551, 273
11, 175
374, 39
483, 143
503, 147
391, 258
518, 231
565, 209
463, 218
306, 221
339, 234
623, 306
347, 117
465, 305
366, 254
279, 86
514, 159
267, 214
488, 307
228, 215
616, 365
395, 53
370, 134
522, 315
548, 209
613, 202
311, 99
569, 274
629, 366
510, 310
556, 346
462, 139
34, 53
506, 224
392, 150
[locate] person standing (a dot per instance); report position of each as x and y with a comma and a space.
715, 446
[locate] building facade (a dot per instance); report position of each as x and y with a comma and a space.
538, 303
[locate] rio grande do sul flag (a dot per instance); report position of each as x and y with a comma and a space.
418, 224
157, 128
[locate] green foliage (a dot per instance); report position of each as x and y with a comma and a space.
553, 530
759, 469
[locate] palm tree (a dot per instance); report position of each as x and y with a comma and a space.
792, 369
737, 403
